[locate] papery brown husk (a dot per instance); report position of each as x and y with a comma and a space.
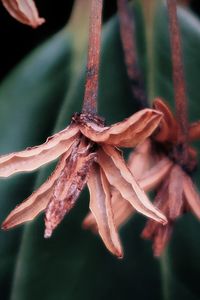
24, 11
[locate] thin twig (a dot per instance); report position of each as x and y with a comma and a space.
178, 76
127, 33
92, 77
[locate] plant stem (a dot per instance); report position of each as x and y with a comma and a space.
178, 75
127, 33
92, 76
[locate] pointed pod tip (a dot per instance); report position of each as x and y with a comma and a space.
120, 255
162, 218
164, 221
47, 233
37, 23
4, 226
10, 223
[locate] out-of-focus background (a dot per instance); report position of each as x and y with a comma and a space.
17, 39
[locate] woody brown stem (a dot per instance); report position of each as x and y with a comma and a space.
127, 33
92, 76
178, 78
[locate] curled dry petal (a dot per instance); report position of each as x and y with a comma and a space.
152, 178
38, 201
147, 166
142, 158
160, 235
68, 185
175, 191
100, 206
24, 11
127, 133
191, 195
167, 130
32, 158
139, 162
194, 131
122, 209
160, 202
149, 180
122, 179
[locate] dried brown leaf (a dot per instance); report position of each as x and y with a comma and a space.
122, 179
100, 206
32, 158
194, 131
152, 178
127, 133
38, 201
161, 202
168, 129
122, 209
175, 192
142, 158
24, 11
68, 186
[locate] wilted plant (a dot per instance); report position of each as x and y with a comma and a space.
24, 11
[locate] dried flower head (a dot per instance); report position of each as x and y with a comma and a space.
148, 168
156, 165
165, 162
177, 193
88, 155
24, 11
